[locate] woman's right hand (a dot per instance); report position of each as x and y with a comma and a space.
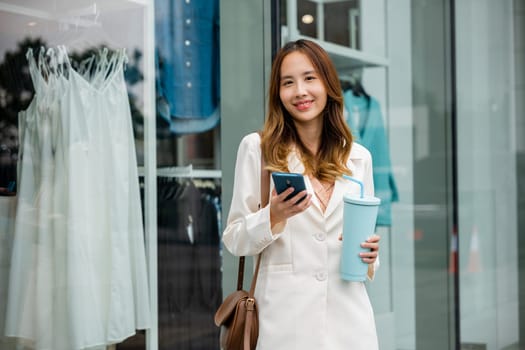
281, 209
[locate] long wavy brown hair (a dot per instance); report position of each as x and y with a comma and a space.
279, 134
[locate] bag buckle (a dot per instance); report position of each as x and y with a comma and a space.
250, 304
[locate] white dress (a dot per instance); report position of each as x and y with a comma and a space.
78, 269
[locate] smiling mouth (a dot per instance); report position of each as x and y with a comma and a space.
303, 105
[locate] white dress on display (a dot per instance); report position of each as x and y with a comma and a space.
78, 270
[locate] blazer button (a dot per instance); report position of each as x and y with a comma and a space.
320, 236
321, 275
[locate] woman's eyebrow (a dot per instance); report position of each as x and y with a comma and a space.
304, 73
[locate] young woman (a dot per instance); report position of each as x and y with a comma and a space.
302, 301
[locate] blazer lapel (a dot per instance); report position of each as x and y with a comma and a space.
337, 196
296, 166
341, 185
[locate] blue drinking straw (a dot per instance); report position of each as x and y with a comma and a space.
356, 181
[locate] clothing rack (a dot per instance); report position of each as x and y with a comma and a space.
186, 172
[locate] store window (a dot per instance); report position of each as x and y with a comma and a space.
442, 81
434, 89
490, 123
75, 82
110, 180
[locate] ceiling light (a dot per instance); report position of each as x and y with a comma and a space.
307, 19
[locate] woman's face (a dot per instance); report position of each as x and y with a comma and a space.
301, 90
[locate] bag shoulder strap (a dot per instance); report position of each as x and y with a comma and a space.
265, 198
265, 180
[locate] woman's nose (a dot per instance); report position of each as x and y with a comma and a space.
300, 89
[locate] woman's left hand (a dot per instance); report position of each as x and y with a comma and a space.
371, 243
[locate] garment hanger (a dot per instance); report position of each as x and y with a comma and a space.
352, 81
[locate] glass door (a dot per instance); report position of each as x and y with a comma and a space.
490, 118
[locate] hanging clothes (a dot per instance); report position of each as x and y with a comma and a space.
366, 122
188, 69
190, 278
78, 268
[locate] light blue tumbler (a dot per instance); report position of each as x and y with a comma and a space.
359, 222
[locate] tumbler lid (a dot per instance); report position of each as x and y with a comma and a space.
365, 200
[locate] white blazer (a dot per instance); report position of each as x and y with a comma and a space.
303, 303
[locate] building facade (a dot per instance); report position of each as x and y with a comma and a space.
433, 88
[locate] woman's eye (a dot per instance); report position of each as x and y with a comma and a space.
310, 77
287, 82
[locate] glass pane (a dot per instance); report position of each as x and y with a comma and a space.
341, 23
332, 21
490, 124
188, 175
433, 176
72, 253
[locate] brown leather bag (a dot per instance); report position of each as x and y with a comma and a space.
237, 315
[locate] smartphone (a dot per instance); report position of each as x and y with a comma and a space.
284, 180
